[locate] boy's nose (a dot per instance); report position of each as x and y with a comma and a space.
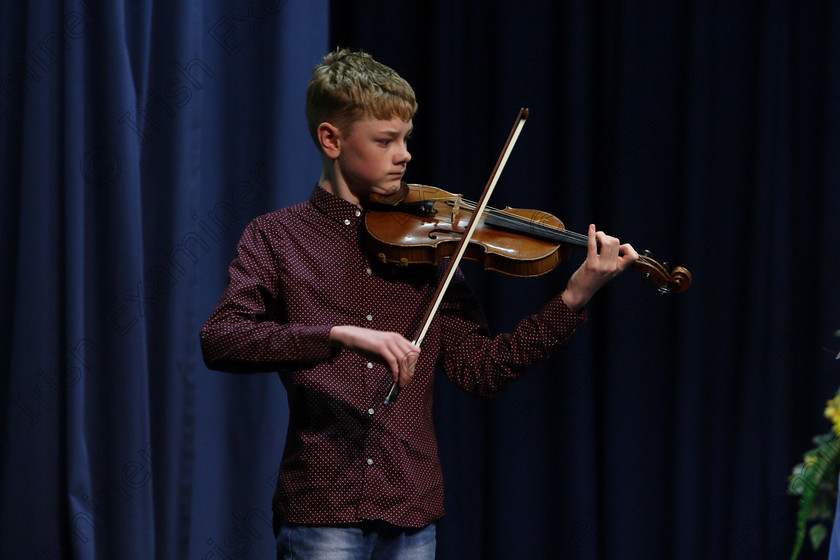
405, 156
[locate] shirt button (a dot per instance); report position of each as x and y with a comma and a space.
371, 411
358, 213
370, 461
346, 222
370, 365
369, 317
368, 270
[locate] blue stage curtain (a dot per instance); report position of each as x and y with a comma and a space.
137, 139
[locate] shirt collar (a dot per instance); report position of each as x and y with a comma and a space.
333, 206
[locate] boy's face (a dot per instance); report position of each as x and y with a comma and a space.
373, 155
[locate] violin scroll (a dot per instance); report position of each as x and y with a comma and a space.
674, 282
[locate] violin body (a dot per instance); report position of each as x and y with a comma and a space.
429, 222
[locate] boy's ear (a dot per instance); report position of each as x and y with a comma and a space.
328, 138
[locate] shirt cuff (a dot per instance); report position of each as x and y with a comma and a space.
560, 321
312, 343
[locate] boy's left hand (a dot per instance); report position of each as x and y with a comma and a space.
606, 258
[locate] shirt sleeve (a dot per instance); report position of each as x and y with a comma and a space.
484, 365
247, 331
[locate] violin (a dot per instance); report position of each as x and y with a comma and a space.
423, 224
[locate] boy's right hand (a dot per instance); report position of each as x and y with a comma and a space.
390, 348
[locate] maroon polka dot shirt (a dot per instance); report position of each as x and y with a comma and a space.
298, 272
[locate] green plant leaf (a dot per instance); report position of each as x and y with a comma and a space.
817, 534
823, 438
807, 483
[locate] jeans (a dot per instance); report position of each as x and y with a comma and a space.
369, 540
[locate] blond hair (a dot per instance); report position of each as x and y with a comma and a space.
349, 86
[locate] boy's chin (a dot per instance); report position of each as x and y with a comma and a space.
393, 187
385, 189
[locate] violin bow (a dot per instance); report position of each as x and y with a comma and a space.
455, 259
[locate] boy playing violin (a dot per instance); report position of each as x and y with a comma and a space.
359, 478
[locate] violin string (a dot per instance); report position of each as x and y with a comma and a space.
528, 226
536, 228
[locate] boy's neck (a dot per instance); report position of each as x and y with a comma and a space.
339, 189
